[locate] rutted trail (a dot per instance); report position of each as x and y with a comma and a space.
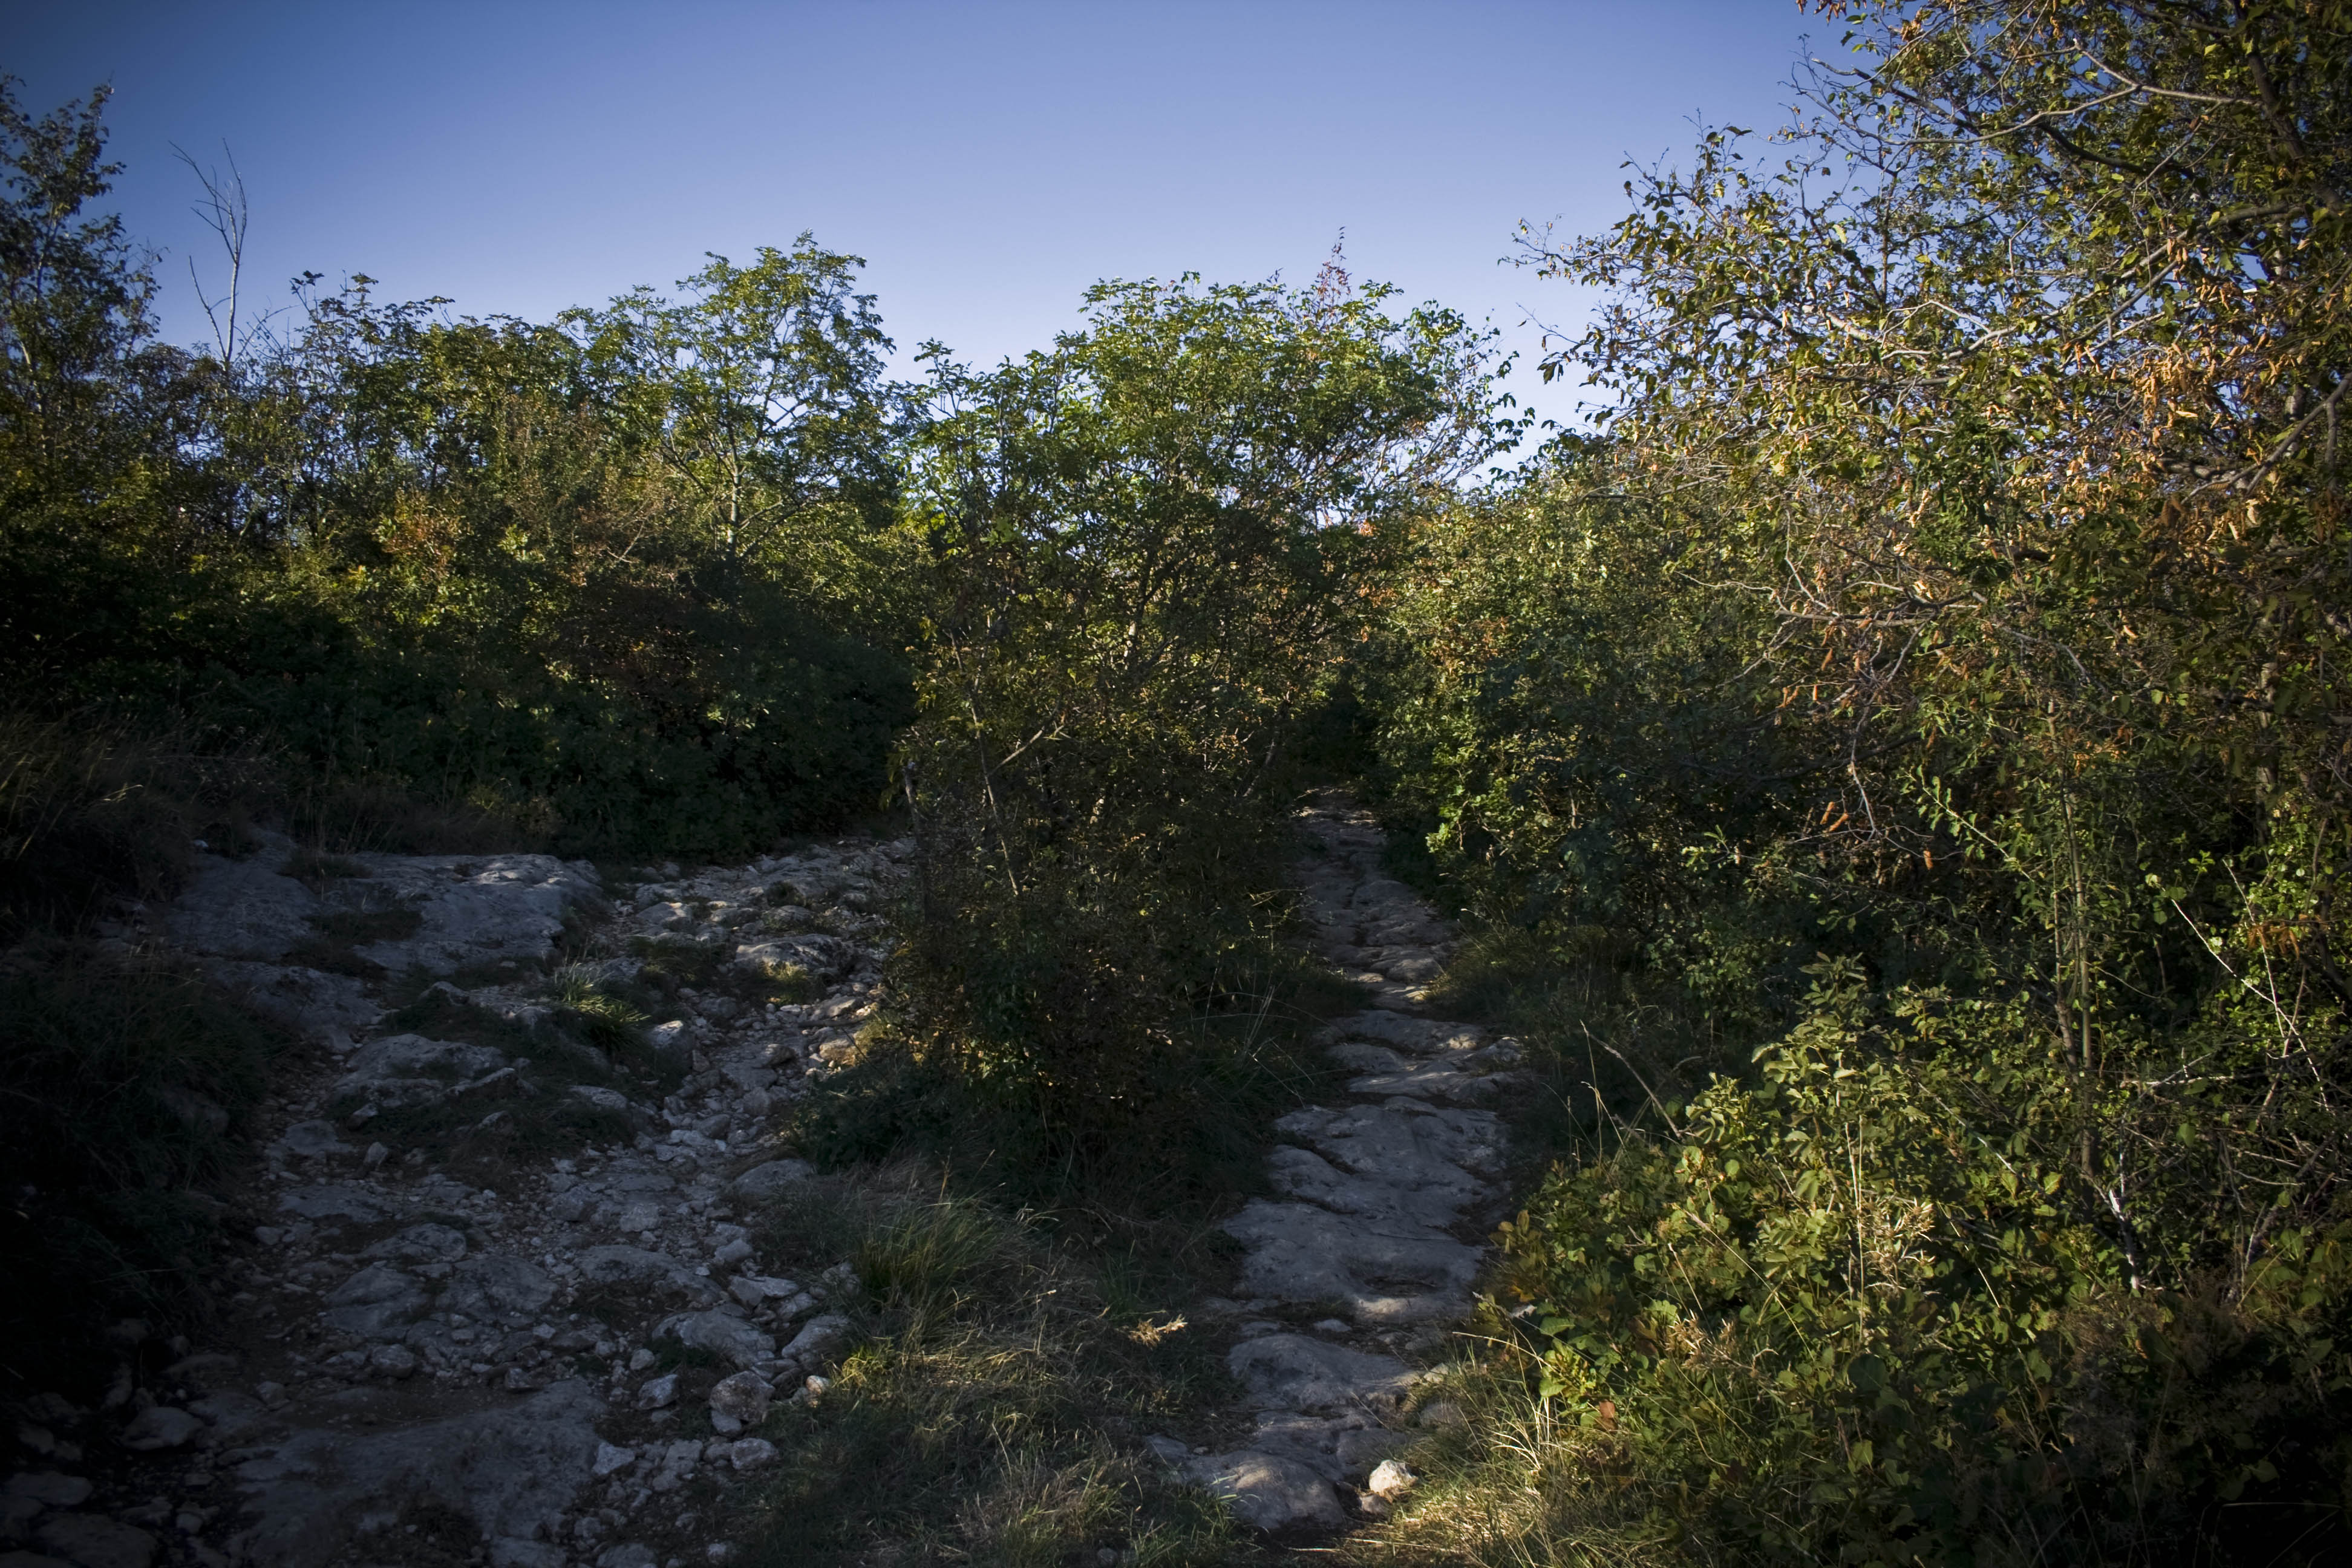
1385, 1198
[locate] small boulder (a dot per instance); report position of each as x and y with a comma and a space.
731, 1338
658, 1393
756, 1290
392, 1360
379, 1302
763, 1183
313, 1141
230, 1415
818, 1340
738, 1401
637, 1266
159, 1427
751, 1453
498, 1287
1268, 1491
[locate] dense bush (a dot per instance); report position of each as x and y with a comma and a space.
626, 581
1920, 724
1146, 549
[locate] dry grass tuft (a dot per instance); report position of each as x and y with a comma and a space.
994, 1411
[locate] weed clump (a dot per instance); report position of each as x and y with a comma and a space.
979, 1418
571, 1073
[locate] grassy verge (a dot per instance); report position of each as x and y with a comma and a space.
991, 1410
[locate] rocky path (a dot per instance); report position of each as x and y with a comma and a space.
1367, 1257
504, 1300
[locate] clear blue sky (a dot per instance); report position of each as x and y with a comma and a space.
989, 160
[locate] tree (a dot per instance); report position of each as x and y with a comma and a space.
2005, 378
761, 393
1148, 546
74, 318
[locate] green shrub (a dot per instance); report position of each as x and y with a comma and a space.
1106, 1109
1144, 552
1843, 1313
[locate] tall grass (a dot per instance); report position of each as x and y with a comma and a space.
989, 1415
90, 811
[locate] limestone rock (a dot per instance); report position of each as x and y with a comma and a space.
827, 958
1267, 1492
1300, 1252
379, 1302
1294, 1371
411, 1069
497, 1287
1415, 1036
233, 1416
607, 1099
95, 1542
818, 1340
635, 1265
513, 1470
427, 1243
334, 1203
738, 1401
241, 909
731, 1338
477, 911
392, 1360
159, 1427
310, 1002
763, 1183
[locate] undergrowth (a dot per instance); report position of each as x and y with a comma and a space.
1187, 1133
128, 1089
991, 1410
